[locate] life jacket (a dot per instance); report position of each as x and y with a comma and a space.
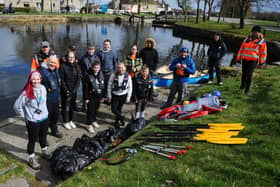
180, 72
97, 83
253, 50
123, 86
53, 83
143, 86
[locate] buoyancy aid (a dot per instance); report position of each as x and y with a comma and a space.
253, 50
97, 83
116, 86
53, 82
143, 87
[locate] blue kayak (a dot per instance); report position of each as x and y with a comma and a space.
164, 82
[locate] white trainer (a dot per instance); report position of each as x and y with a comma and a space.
90, 129
95, 124
67, 126
73, 126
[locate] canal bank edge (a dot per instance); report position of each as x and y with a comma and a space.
233, 41
18, 19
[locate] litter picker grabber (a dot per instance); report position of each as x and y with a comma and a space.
169, 150
172, 157
172, 146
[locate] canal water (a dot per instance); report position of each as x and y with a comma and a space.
20, 42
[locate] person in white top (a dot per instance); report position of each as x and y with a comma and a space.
119, 91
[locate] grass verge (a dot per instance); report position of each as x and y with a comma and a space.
253, 164
231, 28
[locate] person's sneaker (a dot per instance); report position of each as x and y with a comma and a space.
90, 129
57, 134
46, 155
210, 82
220, 83
67, 126
32, 162
95, 124
72, 125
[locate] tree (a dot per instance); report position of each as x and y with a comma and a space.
221, 10
204, 10
210, 5
184, 5
87, 6
197, 11
139, 6
244, 6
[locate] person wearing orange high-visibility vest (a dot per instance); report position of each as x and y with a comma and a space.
252, 54
40, 59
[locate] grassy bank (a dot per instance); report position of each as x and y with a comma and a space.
231, 28
254, 164
11, 168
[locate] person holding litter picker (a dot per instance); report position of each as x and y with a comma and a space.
119, 91
143, 90
94, 91
182, 66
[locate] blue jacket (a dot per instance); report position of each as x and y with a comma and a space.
190, 68
51, 80
108, 60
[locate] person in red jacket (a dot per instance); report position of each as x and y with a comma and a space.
252, 54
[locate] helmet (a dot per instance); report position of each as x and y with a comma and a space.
216, 93
257, 28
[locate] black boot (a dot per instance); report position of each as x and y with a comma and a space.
117, 124
122, 123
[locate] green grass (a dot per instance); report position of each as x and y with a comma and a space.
253, 164
231, 28
264, 22
7, 161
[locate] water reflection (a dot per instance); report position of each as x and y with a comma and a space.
22, 42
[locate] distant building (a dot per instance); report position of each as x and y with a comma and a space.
72, 3
48, 6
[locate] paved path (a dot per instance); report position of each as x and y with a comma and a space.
13, 135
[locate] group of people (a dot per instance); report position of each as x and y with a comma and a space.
105, 79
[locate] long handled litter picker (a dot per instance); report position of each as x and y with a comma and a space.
172, 157
169, 150
171, 146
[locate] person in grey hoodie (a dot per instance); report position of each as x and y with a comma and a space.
119, 91
32, 107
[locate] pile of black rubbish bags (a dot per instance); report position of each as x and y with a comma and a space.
67, 160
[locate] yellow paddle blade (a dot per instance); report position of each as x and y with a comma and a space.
224, 124
229, 128
229, 141
231, 133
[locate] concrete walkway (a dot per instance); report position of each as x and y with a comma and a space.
13, 135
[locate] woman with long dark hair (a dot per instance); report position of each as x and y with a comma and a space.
70, 80
31, 105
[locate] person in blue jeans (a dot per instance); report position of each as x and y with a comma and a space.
182, 66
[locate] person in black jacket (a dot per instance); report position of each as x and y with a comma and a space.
149, 54
215, 53
143, 90
86, 63
70, 80
51, 80
94, 92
